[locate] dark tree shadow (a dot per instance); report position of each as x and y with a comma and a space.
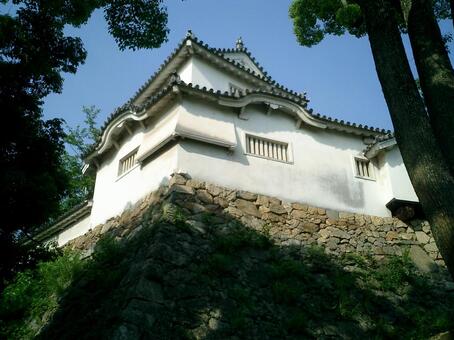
180, 275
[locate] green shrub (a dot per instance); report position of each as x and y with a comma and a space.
29, 301
395, 274
297, 323
287, 268
286, 292
220, 263
241, 239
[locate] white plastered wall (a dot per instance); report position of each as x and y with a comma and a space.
399, 185
77, 229
113, 194
199, 71
244, 59
322, 172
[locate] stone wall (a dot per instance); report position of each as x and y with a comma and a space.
195, 261
287, 224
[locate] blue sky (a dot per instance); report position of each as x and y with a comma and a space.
338, 74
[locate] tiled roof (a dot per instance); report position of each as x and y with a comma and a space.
378, 139
176, 81
220, 52
277, 89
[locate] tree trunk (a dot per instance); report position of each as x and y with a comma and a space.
426, 167
436, 75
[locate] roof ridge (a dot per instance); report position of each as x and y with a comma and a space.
219, 52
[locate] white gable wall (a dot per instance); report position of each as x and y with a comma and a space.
205, 74
242, 58
185, 71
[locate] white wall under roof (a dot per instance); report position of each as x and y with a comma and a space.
242, 58
322, 172
113, 194
199, 71
79, 228
399, 183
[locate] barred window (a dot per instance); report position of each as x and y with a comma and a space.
363, 168
267, 148
127, 162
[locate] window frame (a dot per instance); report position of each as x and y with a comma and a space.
288, 144
370, 167
122, 159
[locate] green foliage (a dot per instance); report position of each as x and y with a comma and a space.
286, 291
137, 23
395, 274
30, 300
240, 321
242, 238
37, 176
349, 15
297, 323
173, 214
78, 141
108, 251
254, 290
313, 19
220, 263
287, 268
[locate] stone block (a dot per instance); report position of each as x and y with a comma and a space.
324, 233
195, 208
273, 217
406, 236
196, 184
245, 195
422, 237
222, 202
181, 189
431, 248
298, 206
346, 215
277, 209
177, 179
247, 207
299, 214
262, 200
213, 189
426, 228
392, 235
332, 214
204, 196
312, 210
309, 227
377, 221
233, 211
421, 260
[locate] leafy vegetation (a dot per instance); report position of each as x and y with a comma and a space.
34, 53
78, 140
34, 295
256, 286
